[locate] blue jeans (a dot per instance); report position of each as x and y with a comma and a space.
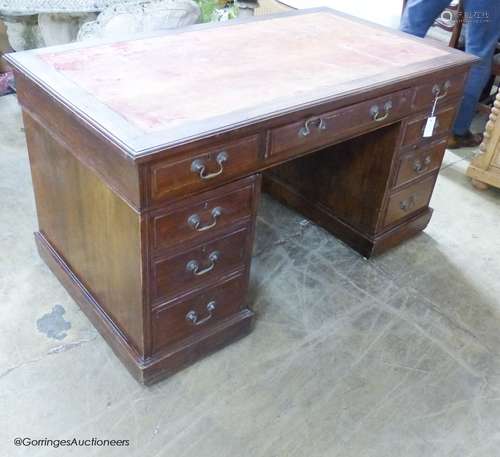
482, 31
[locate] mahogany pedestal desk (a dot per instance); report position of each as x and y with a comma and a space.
148, 155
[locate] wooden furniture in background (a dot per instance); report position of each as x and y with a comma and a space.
147, 193
485, 167
488, 96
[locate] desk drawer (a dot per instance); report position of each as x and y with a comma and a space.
200, 312
324, 129
414, 133
409, 200
444, 89
418, 162
204, 263
201, 215
204, 169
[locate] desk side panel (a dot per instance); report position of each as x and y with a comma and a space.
96, 233
92, 148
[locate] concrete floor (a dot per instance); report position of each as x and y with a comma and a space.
397, 356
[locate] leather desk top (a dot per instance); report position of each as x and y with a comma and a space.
177, 86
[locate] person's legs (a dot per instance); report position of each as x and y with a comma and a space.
419, 15
482, 31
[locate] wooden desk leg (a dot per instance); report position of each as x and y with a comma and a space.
345, 188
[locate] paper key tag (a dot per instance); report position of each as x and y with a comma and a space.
429, 126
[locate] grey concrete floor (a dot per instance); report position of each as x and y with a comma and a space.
397, 356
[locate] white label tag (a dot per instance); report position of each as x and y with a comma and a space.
429, 126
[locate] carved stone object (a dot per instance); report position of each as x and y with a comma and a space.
56, 28
22, 31
146, 16
246, 8
36, 23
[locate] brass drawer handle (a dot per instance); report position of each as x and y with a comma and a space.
436, 90
407, 205
375, 112
419, 166
192, 316
195, 222
198, 166
194, 267
317, 122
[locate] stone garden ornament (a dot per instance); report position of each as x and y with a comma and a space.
35, 23
124, 19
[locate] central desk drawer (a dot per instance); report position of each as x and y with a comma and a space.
186, 317
324, 129
409, 200
202, 215
202, 264
204, 170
